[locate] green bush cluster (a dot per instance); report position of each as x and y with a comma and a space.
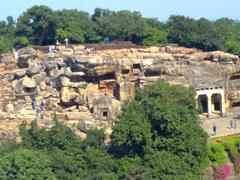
225, 149
217, 154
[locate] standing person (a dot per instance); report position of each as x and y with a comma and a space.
34, 104
214, 130
231, 124
57, 42
66, 41
42, 109
235, 123
106, 40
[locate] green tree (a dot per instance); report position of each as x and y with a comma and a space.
7, 31
76, 25
153, 36
230, 31
95, 139
38, 25
21, 42
163, 118
120, 26
181, 30
26, 164
34, 137
133, 130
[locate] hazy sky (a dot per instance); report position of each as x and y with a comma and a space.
162, 9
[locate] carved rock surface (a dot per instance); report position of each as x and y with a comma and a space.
86, 90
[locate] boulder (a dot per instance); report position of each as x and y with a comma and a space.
29, 82
53, 62
33, 69
93, 66
168, 49
25, 56
154, 49
43, 86
19, 74
24, 60
69, 96
38, 78
79, 49
63, 81
85, 126
29, 51
10, 107
18, 86
222, 56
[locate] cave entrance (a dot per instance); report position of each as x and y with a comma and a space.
105, 114
116, 92
236, 104
125, 71
152, 73
137, 66
216, 102
235, 77
97, 79
107, 76
29, 90
203, 103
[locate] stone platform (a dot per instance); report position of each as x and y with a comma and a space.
222, 123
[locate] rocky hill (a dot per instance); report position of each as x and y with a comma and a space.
85, 88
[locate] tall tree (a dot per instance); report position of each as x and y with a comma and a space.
162, 122
7, 33
76, 25
38, 25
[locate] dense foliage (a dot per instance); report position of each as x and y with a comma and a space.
41, 25
222, 152
157, 136
161, 126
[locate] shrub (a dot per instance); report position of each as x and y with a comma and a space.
223, 172
216, 154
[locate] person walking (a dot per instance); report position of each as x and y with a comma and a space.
34, 104
231, 124
214, 130
235, 123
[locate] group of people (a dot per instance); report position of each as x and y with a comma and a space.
233, 125
40, 112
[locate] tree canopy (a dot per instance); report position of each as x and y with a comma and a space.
162, 122
40, 25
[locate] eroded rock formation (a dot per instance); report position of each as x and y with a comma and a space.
86, 89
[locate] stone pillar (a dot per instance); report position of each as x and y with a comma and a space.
222, 106
209, 96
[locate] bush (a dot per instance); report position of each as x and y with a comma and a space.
223, 172
216, 154
21, 42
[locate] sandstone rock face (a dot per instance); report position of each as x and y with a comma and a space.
25, 57
28, 82
86, 90
33, 69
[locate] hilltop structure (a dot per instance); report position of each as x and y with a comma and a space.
85, 86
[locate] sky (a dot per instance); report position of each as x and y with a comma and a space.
161, 9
